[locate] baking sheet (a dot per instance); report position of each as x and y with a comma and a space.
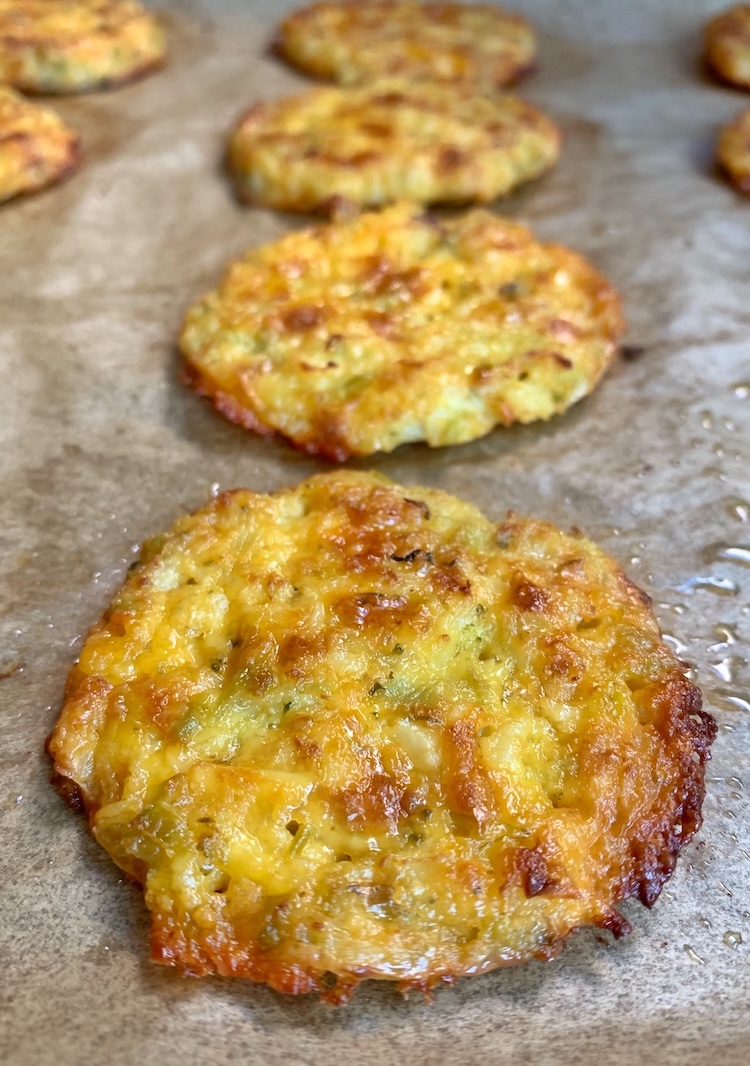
100, 446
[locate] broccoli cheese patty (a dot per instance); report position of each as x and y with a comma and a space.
69, 46
353, 338
36, 147
386, 141
355, 42
733, 151
353, 730
727, 45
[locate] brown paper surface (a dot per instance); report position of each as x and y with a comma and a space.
102, 446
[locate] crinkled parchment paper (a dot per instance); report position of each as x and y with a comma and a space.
101, 446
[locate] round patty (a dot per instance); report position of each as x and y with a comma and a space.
70, 46
355, 42
733, 151
727, 45
36, 147
386, 141
352, 338
353, 730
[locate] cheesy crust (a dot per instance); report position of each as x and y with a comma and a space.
726, 40
353, 730
36, 147
386, 141
733, 151
353, 338
70, 46
355, 42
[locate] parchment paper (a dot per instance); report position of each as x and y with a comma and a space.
101, 446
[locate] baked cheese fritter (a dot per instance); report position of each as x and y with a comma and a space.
733, 151
353, 338
726, 41
359, 41
70, 46
386, 141
353, 730
36, 147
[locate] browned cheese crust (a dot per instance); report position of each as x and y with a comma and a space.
388, 140
37, 149
727, 46
350, 339
353, 730
355, 42
71, 46
733, 152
